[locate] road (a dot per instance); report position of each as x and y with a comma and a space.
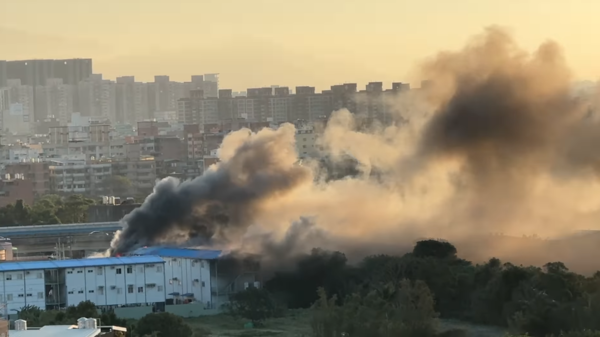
77, 240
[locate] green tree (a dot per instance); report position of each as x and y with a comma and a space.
406, 309
163, 324
118, 185
253, 304
73, 209
435, 248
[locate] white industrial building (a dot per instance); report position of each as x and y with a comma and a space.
155, 276
187, 271
200, 275
114, 281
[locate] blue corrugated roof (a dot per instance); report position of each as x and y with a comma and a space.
90, 262
202, 254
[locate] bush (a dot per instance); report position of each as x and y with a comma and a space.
253, 304
163, 324
404, 310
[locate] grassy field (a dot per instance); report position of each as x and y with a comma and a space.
296, 323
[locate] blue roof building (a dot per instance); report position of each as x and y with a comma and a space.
90, 262
183, 253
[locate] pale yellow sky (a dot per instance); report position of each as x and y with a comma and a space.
305, 42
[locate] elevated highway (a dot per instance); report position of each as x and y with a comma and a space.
74, 240
58, 230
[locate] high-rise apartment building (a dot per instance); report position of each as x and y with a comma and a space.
18, 118
97, 97
3, 74
35, 73
131, 100
55, 99
164, 94
211, 85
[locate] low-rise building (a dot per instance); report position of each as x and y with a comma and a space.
36, 171
14, 188
107, 282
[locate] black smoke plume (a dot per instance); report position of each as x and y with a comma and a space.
222, 203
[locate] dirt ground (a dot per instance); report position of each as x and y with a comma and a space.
296, 323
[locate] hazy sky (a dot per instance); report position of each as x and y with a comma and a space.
305, 42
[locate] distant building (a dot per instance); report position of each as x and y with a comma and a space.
55, 100
17, 116
35, 73
110, 213
35, 171
306, 142
147, 128
97, 98
13, 188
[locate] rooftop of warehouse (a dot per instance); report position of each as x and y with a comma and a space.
79, 263
188, 253
55, 331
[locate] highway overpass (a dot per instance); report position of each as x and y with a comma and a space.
58, 230
77, 240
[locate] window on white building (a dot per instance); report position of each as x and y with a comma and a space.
119, 271
19, 276
159, 288
20, 295
140, 289
9, 297
129, 270
100, 291
99, 271
159, 269
40, 295
29, 295
203, 284
130, 289
8, 277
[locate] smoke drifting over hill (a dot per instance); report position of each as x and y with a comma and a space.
496, 145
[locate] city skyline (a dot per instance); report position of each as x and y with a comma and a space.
335, 44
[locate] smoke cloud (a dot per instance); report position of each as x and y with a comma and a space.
497, 144
256, 169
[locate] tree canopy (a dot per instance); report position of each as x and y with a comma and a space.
162, 324
50, 209
538, 301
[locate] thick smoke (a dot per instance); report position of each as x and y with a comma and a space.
256, 169
496, 145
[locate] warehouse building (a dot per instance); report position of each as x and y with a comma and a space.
114, 281
205, 276
150, 277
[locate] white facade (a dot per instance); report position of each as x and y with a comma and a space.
188, 276
306, 142
116, 284
104, 281
21, 288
